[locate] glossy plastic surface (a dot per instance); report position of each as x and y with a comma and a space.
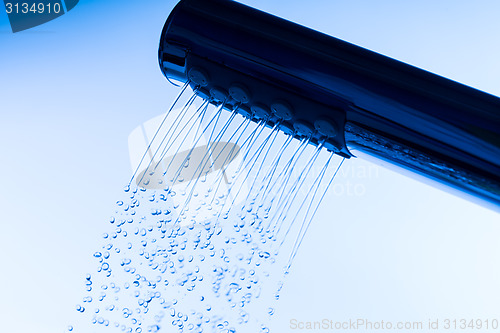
415, 119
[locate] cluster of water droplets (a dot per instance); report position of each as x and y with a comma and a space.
207, 230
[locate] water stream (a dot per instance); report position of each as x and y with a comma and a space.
209, 225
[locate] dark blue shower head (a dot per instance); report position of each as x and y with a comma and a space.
337, 94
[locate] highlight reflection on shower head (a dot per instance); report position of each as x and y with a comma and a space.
347, 99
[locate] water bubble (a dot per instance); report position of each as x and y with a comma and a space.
153, 328
126, 312
264, 254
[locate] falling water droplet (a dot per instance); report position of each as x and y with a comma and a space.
220, 250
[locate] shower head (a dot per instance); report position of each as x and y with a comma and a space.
345, 98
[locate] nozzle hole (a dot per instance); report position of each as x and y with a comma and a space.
326, 127
261, 111
303, 128
219, 94
198, 76
282, 109
239, 93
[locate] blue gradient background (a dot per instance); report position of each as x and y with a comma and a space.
73, 89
